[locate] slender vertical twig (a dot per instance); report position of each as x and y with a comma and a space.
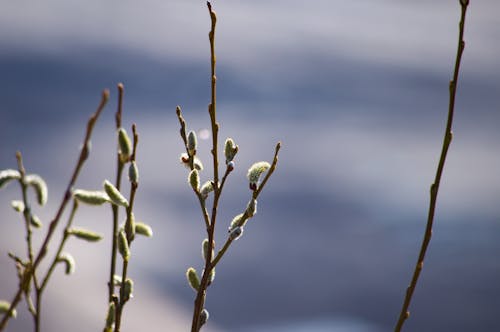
405, 313
129, 235
29, 272
120, 163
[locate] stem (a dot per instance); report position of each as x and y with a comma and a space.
29, 273
200, 296
119, 170
133, 189
404, 314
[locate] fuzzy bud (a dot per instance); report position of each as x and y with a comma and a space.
17, 206
110, 317
143, 229
85, 234
204, 315
206, 189
255, 171
128, 289
35, 221
211, 276
130, 227
192, 278
252, 207
125, 147
196, 163
194, 180
8, 175
192, 143
204, 250
237, 221
91, 197
4, 308
114, 194
236, 233
68, 261
117, 280
133, 172
40, 187
123, 247
230, 150
230, 166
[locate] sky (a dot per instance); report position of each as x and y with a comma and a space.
356, 91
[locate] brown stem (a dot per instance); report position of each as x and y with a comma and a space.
133, 189
405, 313
119, 170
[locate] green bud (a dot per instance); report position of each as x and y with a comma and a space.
255, 171
206, 188
35, 221
117, 280
204, 249
128, 289
236, 233
237, 221
8, 175
194, 180
185, 161
252, 207
114, 194
192, 278
4, 308
130, 227
85, 234
192, 143
143, 229
230, 150
40, 187
133, 172
123, 247
91, 197
17, 205
69, 262
125, 147
211, 276
110, 317
204, 315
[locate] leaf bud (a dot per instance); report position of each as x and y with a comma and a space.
4, 308
230, 150
143, 229
206, 188
110, 317
252, 207
133, 172
192, 278
128, 289
255, 171
194, 180
192, 143
204, 315
114, 194
124, 144
69, 262
123, 247
91, 197
85, 234
236, 233
40, 187
8, 175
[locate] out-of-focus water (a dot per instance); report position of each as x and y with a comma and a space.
356, 91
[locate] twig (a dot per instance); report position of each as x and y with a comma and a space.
129, 235
119, 171
435, 186
84, 153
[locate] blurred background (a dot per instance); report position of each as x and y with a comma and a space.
357, 91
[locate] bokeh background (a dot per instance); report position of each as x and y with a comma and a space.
357, 91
